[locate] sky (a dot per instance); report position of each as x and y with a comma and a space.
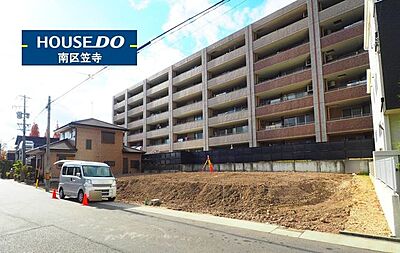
94, 98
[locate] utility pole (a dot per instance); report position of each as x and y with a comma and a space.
47, 156
23, 115
23, 134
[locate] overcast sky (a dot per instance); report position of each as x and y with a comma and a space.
94, 99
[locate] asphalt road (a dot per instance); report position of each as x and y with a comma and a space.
30, 221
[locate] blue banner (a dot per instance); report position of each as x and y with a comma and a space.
79, 47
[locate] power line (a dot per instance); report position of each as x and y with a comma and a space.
90, 76
181, 25
201, 29
202, 13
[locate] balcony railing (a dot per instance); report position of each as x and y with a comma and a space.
285, 73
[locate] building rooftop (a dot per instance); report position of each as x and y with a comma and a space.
91, 123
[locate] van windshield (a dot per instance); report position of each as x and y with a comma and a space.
96, 171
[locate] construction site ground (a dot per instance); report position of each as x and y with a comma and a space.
307, 201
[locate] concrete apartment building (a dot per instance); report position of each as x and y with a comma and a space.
296, 75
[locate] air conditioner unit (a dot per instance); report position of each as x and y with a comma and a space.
329, 57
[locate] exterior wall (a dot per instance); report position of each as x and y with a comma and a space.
394, 120
100, 152
249, 56
381, 121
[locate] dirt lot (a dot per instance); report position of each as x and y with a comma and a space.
313, 201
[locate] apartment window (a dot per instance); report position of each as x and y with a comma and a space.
88, 144
198, 136
107, 137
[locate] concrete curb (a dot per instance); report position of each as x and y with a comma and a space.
378, 237
376, 244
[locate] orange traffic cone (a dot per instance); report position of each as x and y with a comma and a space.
54, 194
85, 200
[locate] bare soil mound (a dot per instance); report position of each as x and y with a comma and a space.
313, 201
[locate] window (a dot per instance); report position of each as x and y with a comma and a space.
88, 144
107, 137
77, 170
125, 166
70, 171
198, 136
134, 164
110, 163
64, 171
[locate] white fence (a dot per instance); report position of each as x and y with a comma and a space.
385, 170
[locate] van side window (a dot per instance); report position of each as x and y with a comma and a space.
77, 170
64, 170
70, 171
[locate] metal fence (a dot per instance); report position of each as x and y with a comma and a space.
340, 150
386, 171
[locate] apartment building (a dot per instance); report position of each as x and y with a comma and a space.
296, 75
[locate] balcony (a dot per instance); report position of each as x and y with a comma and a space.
157, 148
353, 91
285, 106
157, 118
354, 60
301, 76
188, 93
187, 75
162, 87
226, 58
228, 118
286, 132
339, 9
231, 97
284, 56
158, 133
135, 137
158, 103
282, 33
227, 77
192, 144
119, 106
188, 127
342, 35
136, 98
349, 125
135, 111
188, 109
229, 139
136, 124
119, 118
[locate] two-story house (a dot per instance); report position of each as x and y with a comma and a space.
91, 140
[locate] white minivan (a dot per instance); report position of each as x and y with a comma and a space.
82, 177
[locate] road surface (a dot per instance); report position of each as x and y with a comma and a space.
30, 221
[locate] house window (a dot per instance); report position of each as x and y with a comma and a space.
110, 163
134, 164
107, 137
88, 144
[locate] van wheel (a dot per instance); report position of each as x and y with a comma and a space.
61, 193
80, 196
111, 199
